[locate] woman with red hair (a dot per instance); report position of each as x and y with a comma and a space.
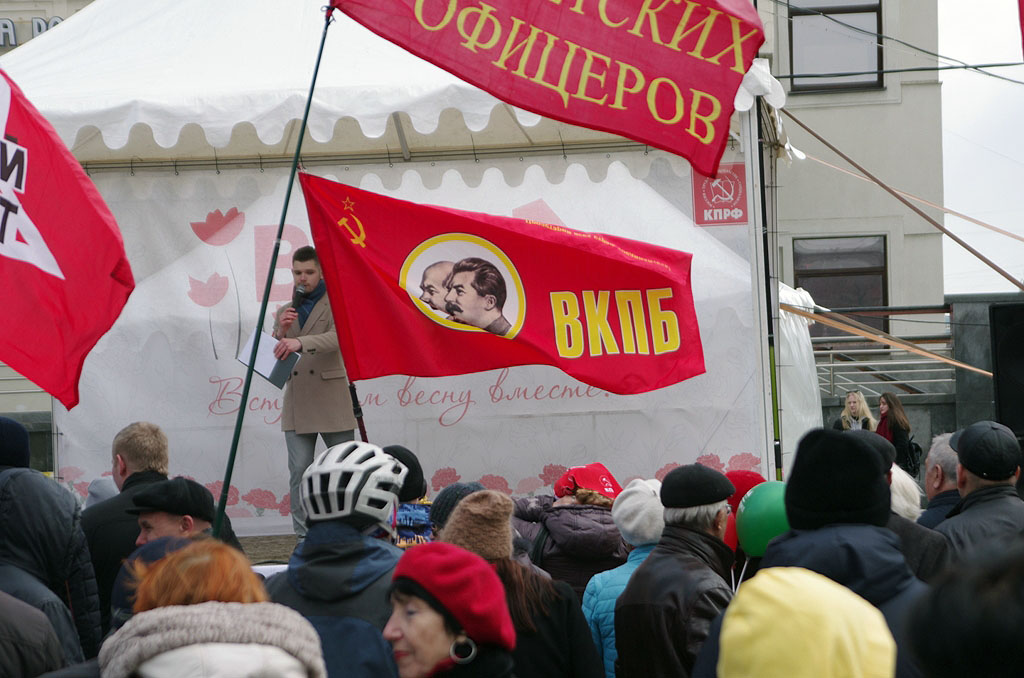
201, 611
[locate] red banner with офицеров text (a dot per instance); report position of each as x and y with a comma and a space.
663, 73
431, 291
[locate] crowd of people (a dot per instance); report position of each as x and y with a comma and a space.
836, 572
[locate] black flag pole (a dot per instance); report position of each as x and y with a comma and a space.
222, 503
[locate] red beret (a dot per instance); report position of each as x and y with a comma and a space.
466, 585
592, 477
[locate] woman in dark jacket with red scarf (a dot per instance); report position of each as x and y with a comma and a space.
894, 427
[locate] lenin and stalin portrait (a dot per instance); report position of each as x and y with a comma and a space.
471, 291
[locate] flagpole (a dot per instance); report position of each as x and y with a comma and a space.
222, 503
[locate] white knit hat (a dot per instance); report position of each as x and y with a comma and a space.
639, 513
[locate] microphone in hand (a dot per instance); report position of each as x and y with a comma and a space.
298, 295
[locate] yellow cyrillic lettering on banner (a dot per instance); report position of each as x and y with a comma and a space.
664, 324
716, 109
602, 11
472, 39
630, 304
652, 18
599, 330
704, 25
563, 77
448, 14
565, 310
652, 95
526, 44
736, 47
586, 75
578, 7
620, 83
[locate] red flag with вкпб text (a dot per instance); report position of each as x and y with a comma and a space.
432, 291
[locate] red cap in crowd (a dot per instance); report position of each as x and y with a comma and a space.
592, 477
466, 585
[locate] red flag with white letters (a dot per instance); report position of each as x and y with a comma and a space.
63, 269
432, 291
664, 73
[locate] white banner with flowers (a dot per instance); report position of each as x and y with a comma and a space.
200, 242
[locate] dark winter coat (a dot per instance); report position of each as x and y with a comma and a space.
926, 551
111, 534
663, 616
41, 535
987, 516
865, 424
865, 559
938, 508
575, 542
28, 645
562, 646
490, 662
338, 579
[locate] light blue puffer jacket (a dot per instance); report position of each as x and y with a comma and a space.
599, 604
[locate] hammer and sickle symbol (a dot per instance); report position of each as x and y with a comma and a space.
357, 238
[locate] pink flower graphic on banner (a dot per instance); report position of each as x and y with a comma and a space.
744, 462
551, 473
285, 507
237, 512
217, 487
443, 477
82, 488
261, 500
493, 482
529, 485
207, 293
711, 461
219, 229
663, 471
70, 474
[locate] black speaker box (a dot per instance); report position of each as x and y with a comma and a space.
1007, 326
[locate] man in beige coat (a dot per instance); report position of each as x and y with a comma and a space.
316, 398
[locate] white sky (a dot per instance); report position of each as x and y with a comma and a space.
983, 142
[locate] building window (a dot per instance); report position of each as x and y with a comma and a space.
819, 43
842, 273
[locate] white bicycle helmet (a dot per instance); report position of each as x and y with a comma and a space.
352, 479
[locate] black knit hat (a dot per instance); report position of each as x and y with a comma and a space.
880, 444
694, 485
414, 486
446, 500
836, 478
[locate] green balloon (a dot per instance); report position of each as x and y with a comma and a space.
761, 517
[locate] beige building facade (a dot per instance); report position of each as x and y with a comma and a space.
846, 240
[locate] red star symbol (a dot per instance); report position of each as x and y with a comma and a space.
348, 204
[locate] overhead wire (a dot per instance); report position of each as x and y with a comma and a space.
977, 68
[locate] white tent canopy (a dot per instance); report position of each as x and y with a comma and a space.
148, 84
187, 79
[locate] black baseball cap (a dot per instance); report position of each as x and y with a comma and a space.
178, 496
987, 449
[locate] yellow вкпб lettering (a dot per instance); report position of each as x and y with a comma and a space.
565, 309
664, 324
599, 331
600, 336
